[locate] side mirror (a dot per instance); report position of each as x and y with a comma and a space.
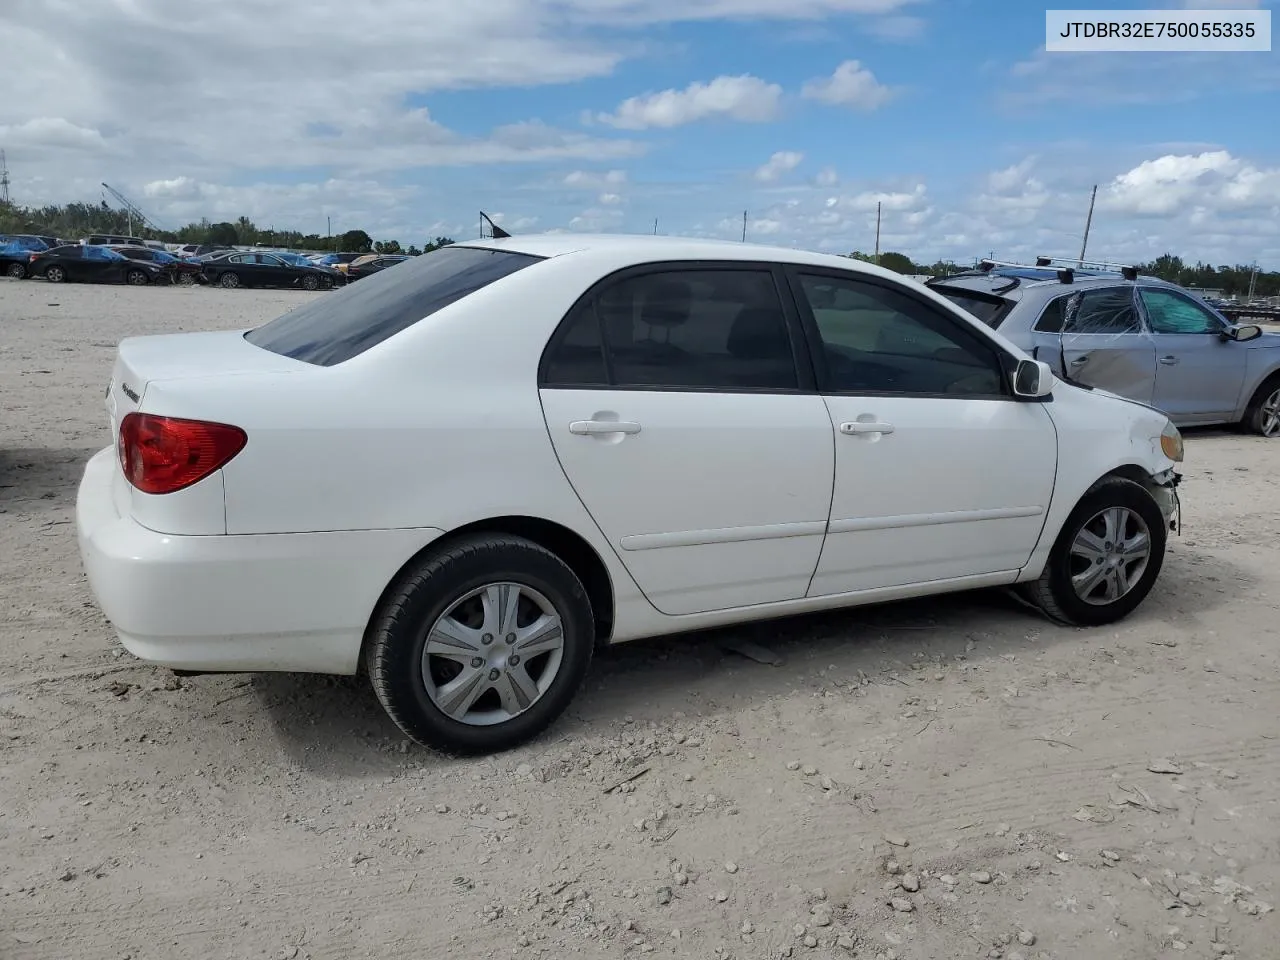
1244, 332
1032, 379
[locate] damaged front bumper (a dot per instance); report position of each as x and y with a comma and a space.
1164, 489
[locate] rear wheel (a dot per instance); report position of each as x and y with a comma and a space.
1106, 558
15, 270
186, 279
229, 280
137, 278
482, 645
55, 274
1263, 413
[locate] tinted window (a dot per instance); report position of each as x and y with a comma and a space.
990, 312
708, 329
71, 251
1169, 312
1109, 310
349, 322
879, 340
576, 354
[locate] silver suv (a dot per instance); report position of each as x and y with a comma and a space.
1135, 336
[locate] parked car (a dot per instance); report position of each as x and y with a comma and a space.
302, 260
199, 249
14, 259
692, 434
373, 263
91, 264
338, 261
28, 241
1136, 336
178, 269
263, 270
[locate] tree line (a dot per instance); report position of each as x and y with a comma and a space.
1233, 281
75, 220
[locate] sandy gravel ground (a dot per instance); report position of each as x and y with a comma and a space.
952, 778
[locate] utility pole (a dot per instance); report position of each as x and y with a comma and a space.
328, 221
655, 226
4, 179
1087, 224
1253, 279
877, 233
744, 226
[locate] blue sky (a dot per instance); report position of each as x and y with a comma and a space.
406, 117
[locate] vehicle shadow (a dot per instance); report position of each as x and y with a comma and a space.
335, 728
35, 480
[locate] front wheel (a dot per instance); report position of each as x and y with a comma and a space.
1106, 558
137, 278
310, 282
15, 270
186, 279
482, 645
1263, 413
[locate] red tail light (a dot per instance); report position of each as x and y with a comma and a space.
165, 454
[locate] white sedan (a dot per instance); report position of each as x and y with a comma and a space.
464, 474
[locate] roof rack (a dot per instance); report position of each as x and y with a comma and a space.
1065, 274
1126, 270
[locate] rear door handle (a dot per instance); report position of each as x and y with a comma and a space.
1168, 361
594, 428
856, 427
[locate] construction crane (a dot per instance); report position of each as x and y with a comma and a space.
131, 209
4, 179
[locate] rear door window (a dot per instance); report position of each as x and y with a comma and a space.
1108, 310
342, 325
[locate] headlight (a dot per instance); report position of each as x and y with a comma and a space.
1171, 442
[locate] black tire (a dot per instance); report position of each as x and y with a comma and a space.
398, 633
137, 278
55, 274
229, 280
187, 279
1054, 593
1259, 417
310, 282
15, 270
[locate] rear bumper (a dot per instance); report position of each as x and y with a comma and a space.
275, 602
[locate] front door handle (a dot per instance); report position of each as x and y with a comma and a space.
856, 427
1168, 361
1080, 361
594, 428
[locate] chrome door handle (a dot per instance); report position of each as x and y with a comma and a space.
856, 427
1080, 361
594, 428
1168, 361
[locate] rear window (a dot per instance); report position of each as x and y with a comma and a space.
338, 326
989, 311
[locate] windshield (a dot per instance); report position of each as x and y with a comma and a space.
342, 325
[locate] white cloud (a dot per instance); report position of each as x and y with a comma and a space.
609, 199
1166, 186
745, 98
851, 85
594, 180
827, 177
784, 161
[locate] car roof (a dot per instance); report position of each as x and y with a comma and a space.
1013, 283
644, 248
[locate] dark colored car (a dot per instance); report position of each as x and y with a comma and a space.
14, 259
180, 270
29, 241
263, 270
368, 266
92, 264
